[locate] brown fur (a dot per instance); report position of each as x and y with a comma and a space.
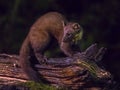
39, 36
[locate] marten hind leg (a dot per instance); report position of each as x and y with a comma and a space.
39, 45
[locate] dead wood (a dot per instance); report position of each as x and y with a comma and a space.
79, 71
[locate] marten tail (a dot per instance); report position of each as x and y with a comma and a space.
25, 61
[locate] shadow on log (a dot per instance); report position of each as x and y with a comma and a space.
73, 73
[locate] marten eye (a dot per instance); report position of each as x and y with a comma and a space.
69, 34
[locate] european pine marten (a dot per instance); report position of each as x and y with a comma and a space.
52, 24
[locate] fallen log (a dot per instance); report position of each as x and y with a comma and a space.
78, 72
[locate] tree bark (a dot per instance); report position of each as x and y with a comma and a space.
77, 72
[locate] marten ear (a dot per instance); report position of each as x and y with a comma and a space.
76, 26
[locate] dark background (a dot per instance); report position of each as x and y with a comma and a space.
100, 20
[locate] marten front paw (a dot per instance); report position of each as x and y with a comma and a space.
44, 59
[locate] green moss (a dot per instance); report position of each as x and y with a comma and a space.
38, 86
91, 67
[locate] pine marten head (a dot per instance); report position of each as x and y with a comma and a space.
72, 32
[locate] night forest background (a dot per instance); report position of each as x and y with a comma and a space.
100, 20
